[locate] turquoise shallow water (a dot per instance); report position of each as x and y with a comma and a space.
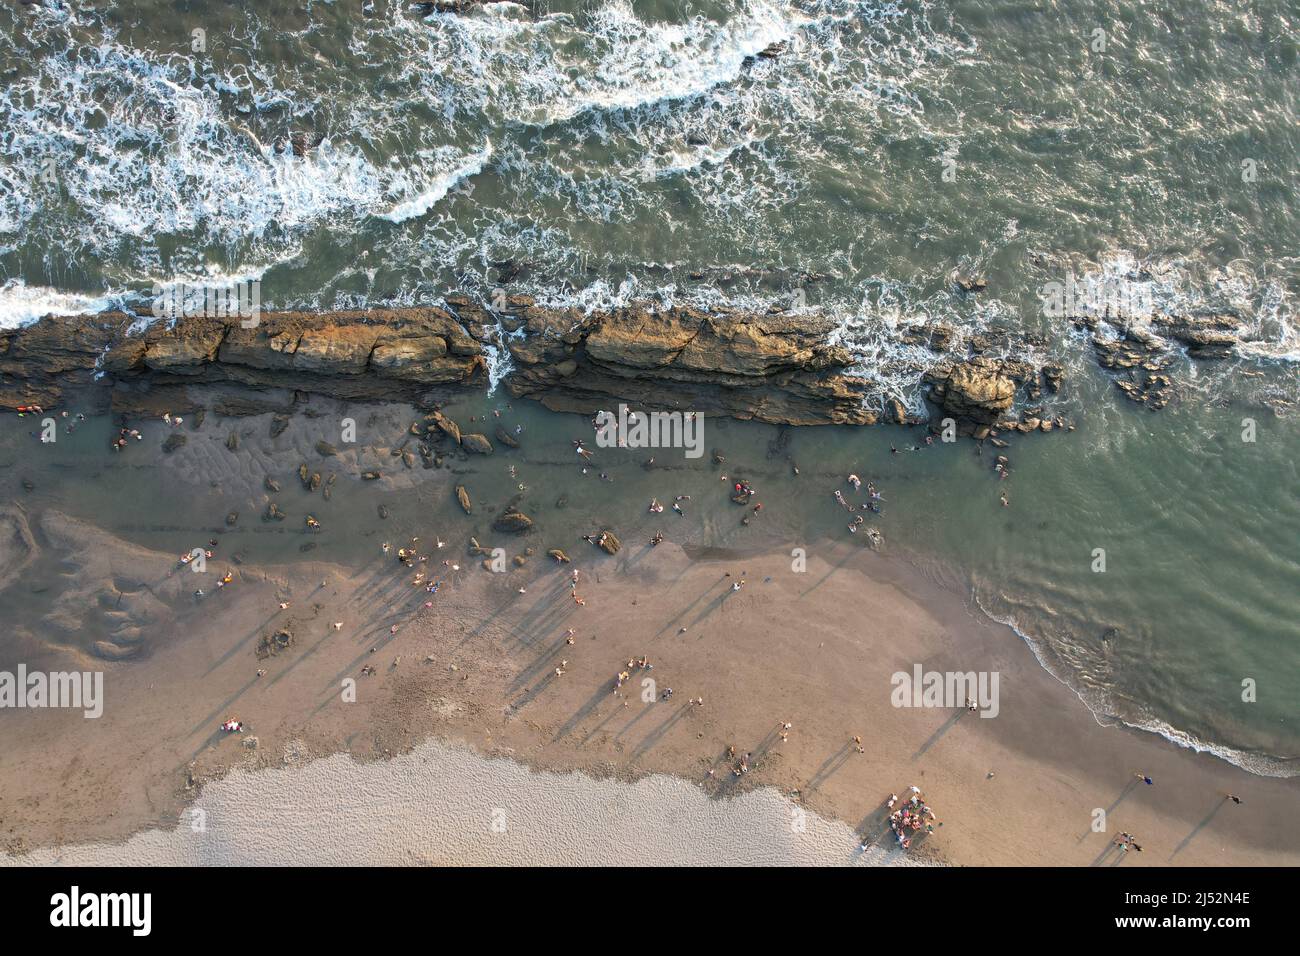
592, 153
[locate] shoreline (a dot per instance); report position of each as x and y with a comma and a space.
786, 648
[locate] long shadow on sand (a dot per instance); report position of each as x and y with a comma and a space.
939, 734
1198, 828
830, 767
1123, 795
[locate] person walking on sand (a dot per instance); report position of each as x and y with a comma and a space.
1234, 798
1144, 778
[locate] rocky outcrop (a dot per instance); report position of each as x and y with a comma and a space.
1204, 337
38, 362
980, 390
512, 521
375, 355
775, 368
1141, 353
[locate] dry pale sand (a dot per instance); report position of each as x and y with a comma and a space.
815, 649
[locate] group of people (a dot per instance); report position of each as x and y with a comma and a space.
872, 503
910, 818
1126, 842
638, 663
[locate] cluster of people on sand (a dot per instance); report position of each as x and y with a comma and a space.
573, 589
1126, 842
409, 555
909, 818
190, 555
743, 766
657, 508
625, 675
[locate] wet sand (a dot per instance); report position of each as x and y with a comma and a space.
814, 648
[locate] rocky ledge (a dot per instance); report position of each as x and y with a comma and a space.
774, 367
374, 355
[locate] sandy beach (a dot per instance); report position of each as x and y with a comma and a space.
495, 669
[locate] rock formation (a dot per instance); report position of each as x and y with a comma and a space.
776, 367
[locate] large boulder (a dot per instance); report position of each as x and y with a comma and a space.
446, 426
476, 443
512, 521
980, 389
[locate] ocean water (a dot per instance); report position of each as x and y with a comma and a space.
594, 153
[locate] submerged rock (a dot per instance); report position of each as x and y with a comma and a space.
478, 444
505, 438
174, 440
512, 521
446, 426
325, 449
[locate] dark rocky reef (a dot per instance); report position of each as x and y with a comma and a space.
1140, 353
774, 367
377, 355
